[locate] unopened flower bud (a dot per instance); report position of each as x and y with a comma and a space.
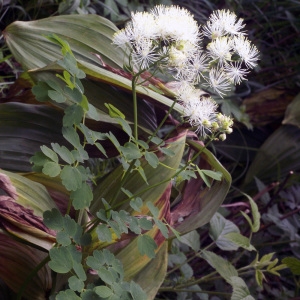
215, 126
229, 130
206, 123
222, 136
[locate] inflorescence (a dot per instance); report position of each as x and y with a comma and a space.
169, 38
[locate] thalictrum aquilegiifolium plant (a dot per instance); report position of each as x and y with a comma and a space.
165, 42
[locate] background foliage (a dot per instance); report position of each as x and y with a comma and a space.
262, 154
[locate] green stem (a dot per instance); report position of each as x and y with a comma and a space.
31, 275
135, 117
162, 122
190, 259
161, 182
171, 289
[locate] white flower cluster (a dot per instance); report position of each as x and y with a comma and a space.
168, 37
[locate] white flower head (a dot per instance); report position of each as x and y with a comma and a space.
144, 54
218, 81
187, 93
175, 23
143, 26
222, 22
212, 30
220, 49
177, 58
121, 39
201, 114
193, 70
235, 73
247, 51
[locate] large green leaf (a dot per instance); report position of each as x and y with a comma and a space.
292, 113
279, 155
96, 73
16, 262
99, 90
198, 203
159, 178
152, 274
23, 129
87, 35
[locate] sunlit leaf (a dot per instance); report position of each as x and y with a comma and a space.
82, 32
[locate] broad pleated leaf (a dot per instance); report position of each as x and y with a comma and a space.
292, 113
160, 176
23, 129
152, 275
87, 35
55, 189
279, 155
198, 203
17, 261
103, 86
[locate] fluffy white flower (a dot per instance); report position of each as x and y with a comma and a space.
121, 39
222, 22
247, 51
218, 81
212, 30
175, 23
220, 49
177, 58
144, 54
187, 93
235, 73
143, 26
193, 70
201, 114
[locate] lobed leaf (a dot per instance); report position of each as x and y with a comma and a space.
61, 260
